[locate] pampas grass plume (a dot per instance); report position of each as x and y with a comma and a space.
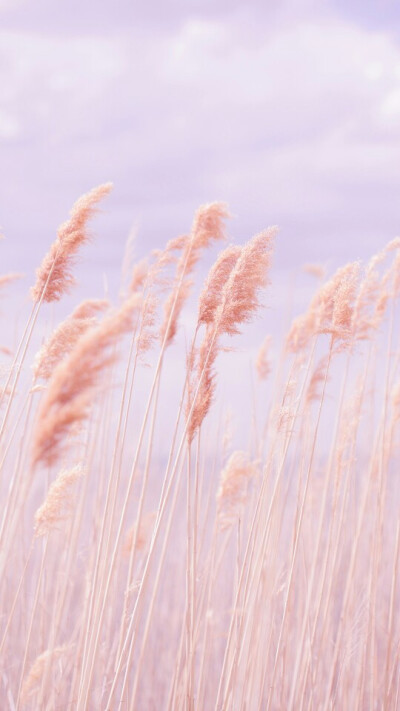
66, 335
58, 500
54, 277
208, 226
233, 489
32, 682
71, 387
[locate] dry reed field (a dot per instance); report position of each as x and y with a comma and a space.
147, 560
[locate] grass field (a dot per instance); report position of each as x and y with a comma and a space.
149, 562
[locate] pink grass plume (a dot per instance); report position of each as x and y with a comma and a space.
54, 277
263, 362
72, 387
208, 226
58, 501
239, 287
233, 489
66, 335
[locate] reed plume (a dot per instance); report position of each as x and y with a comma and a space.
374, 291
58, 500
208, 226
138, 276
65, 336
330, 311
73, 383
54, 277
238, 276
205, 389
240, 294
139, 536
233, 489
90, 308
211, 294
343, 303
317, 379
34, 677
163, 258
147, 334
263, 362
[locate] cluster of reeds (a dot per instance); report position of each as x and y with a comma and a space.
210, 577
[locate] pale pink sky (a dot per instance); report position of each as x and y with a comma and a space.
289, 111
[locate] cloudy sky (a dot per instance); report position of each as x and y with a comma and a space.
287, 110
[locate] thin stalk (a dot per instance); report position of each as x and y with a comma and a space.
88, 671
32, 618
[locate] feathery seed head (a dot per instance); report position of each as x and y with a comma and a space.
263, 363
233, 488
54, 277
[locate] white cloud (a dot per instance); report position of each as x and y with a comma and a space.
390, 107
46, 78
297, 79
297, 124
9, 126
